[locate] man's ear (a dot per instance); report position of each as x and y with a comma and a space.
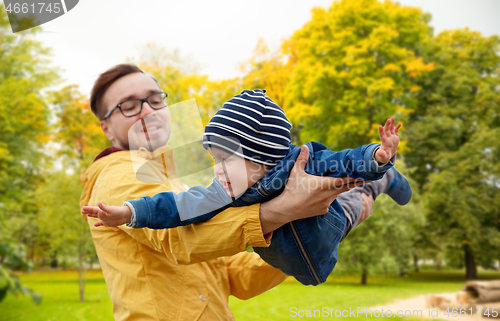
107, 131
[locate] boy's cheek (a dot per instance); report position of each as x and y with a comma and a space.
256, 177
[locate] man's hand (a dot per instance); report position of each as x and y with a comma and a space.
109, 215
304, 196
390, 140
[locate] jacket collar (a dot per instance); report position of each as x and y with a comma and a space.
108, 151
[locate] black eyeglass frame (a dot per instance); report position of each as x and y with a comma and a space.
144, 100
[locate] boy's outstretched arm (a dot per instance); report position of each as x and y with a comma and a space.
366, 162
164, 210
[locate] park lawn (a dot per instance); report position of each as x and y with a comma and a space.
61, 300
344, 292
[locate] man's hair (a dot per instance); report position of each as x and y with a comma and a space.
104, 81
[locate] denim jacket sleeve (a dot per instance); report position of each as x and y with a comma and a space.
169, 210
358, 163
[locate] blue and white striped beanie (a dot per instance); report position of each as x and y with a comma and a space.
253, 124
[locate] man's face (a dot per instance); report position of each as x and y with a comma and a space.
236, 174
130, 132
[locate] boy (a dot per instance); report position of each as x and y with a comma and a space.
249, 139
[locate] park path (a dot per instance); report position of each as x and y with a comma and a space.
419, 304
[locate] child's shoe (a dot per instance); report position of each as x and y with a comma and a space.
400, 189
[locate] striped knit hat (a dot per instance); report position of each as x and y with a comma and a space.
252, 126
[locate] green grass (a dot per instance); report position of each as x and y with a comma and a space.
61, 300
344, 292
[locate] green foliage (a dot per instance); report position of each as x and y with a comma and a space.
458, 98
81, 139
453, 143
462, 201
267, 70
24, 117
181, 80
24, 113
12, 256
61, 228
355, 65
385, 241
76, 130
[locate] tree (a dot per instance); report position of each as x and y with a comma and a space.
24, 73
346, 71
268, 70
384, 242
61, 223
12, 257
24, 117
355, 65
453, 142
181, 79
80, 140
77, 130
462, 200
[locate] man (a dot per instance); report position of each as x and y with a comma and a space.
189, 272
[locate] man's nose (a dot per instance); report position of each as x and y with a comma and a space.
146, 109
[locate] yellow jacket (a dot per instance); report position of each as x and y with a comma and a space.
150, 274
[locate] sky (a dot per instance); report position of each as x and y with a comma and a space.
217, 34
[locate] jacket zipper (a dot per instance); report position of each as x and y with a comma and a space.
261, 189
297, 239
296, 236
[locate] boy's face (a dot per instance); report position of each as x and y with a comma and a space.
236, 174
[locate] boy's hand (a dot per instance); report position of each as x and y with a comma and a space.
109, 215
390, 140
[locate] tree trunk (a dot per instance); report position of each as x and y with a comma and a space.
53, 260
415, 263
470, 263
82, 277
364, 276
82, 272
438, 265
82, 257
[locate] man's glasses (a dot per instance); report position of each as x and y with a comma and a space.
133, 107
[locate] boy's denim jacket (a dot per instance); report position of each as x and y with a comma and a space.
305, 248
